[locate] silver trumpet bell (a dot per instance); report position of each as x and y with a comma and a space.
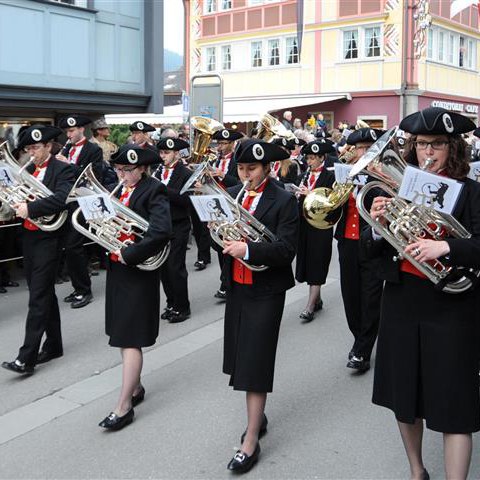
408, 222
23, 187
107, 232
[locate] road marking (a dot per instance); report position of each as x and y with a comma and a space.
28, 417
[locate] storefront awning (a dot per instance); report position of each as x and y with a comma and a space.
245, 109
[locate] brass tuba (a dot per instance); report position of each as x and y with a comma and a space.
407, 222
107, 232
269, 128
23, 187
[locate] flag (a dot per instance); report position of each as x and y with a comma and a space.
458, 5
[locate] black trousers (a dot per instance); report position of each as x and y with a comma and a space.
40, 252
361, 293
76, 259
7, 250
202, 237
173, 272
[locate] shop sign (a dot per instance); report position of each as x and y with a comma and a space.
456, 107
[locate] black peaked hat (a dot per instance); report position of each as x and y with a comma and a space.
436, 121
74, 121
168, 143
38, 134
227, 135
140, 126
318, 147
130, 154
320, 133
290, 144
364, 135
253, 150
476, 132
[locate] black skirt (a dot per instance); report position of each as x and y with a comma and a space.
428, 356
132, 306
313, 254
251, 330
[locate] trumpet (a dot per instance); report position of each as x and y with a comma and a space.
24, 188
113, 233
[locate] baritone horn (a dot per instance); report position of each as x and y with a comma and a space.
18, 186
112, 233
269, 128
406, 222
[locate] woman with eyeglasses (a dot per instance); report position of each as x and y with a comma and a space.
132, 298
426, 368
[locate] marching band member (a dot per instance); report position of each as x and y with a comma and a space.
140, 135
41, 251
225, 173
427, 353
79, 152
361, 287
132, 298
255, 300
287, 170
173, 174
314, 245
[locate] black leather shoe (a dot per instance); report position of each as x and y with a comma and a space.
18, 367
166, 313
359, 364
425, 475
10, 283
70, 298
81, 300
262, 431
307, 316
177, 317
114, 422
242, 463
44, 357
318, 306
138, 398
221, 294
351, 353
200, 265
3, 290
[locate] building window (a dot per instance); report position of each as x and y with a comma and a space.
77, 3
274, 52
211, 59
210, 6
291, 48
441, 46
256, 54
226, 58
372, 42
350, 44
226, 4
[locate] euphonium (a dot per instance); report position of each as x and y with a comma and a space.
201, 155
107, 232
24, 187
244, 227
407, 222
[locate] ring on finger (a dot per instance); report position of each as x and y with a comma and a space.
417, 252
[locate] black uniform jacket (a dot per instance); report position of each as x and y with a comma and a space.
179, 204
90, 153
231, 177
463, 252
59, 178
150, 201
277, 210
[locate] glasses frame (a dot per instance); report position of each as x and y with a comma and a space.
441, 144
124, 170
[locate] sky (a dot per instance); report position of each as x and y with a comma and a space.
173, 25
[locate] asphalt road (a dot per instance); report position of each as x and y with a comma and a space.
321, 421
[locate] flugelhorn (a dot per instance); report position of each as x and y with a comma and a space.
112, 233
24, 188
407, 222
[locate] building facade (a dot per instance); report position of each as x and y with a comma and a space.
377, 59
79, 56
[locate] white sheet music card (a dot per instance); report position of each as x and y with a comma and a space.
95, 207
211, 208
342, 173
474, 172
430, 190
6, 177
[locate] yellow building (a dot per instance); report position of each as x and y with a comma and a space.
375, 60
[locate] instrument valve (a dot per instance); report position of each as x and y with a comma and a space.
397, 258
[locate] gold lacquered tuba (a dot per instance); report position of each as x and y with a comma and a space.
407, 222
107, 232
23, 187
